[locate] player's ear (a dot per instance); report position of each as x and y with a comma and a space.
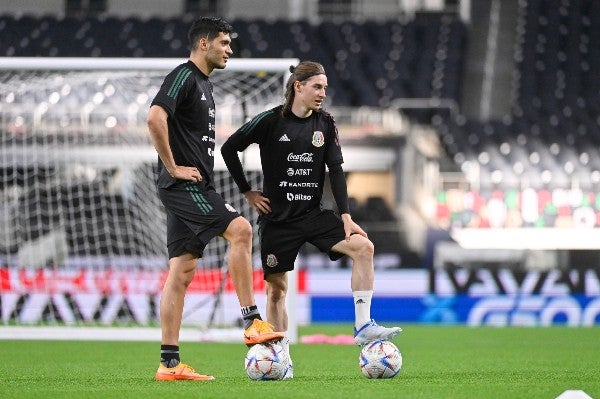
203, 43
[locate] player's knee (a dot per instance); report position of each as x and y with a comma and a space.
187, 279
365, 251
245, 231
180, 277
241, 231
182, 269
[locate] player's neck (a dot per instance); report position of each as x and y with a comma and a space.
201, 63
301, 111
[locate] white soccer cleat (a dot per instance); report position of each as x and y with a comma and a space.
289, 374
372, 331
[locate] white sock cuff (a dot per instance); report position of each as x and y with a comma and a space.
362, 294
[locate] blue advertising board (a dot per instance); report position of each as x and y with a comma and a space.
476, 297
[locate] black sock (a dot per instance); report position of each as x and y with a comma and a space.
249, 313
169, 355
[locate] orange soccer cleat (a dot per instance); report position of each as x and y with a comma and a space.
180, 372
261, 331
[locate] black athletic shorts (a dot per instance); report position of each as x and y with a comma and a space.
280, 242
195, 215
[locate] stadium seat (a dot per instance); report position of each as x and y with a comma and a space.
417, 58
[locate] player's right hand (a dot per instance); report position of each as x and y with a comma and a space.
190, 173
258, 201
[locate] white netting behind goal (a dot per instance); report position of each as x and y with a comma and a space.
77, 193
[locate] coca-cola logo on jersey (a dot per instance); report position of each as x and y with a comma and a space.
305, 157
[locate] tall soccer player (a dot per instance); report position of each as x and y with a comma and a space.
181, 121
297, 140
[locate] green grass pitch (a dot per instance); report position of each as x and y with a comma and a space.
439, 362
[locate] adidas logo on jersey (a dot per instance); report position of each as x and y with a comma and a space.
284, 138
203, 98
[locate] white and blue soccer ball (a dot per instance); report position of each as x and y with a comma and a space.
380, 359
267, 361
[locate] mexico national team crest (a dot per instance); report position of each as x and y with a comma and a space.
271, 260
318, 139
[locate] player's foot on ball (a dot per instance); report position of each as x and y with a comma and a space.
372, 331
180, 372
261, 331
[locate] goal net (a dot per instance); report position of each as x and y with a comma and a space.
82, 231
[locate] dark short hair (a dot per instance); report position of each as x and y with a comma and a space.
207, 27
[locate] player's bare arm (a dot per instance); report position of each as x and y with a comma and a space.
258, 201
159, 132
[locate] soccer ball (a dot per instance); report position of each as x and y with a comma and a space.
267, 361
380, 359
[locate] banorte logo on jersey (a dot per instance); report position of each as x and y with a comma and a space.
304, 157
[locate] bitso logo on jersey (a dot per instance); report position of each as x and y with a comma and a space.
318, 139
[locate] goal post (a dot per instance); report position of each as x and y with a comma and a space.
277, 65
82, 231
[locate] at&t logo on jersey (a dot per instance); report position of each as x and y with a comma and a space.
305, 157
298, 172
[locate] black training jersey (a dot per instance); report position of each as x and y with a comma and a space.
186, 95
294, 152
